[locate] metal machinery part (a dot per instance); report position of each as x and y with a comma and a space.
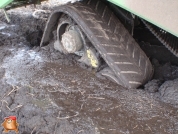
107, 38
70, 39
168, 40
4, 3
162, 13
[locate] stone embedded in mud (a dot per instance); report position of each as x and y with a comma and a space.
169, 92
152, 86
62, 1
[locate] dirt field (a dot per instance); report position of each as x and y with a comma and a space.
51, 93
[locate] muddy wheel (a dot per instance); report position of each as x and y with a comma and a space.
71, 40
127, 63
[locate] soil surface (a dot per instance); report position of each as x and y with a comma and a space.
51, 93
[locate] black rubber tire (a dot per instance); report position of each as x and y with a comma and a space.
117, 47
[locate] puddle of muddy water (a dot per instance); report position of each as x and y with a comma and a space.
107, 105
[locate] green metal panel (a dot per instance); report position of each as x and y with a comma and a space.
162, 13
4, 3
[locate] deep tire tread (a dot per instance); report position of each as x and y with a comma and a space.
134, 54
112, 40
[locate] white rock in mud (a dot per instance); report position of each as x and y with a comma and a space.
62, 1
152, 86
169, 92
66, 1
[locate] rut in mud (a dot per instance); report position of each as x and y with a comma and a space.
51, 93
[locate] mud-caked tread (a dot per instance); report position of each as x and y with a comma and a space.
133, 50
112, 40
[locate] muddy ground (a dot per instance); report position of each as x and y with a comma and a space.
51, 93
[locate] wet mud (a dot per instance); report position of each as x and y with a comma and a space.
51, 93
